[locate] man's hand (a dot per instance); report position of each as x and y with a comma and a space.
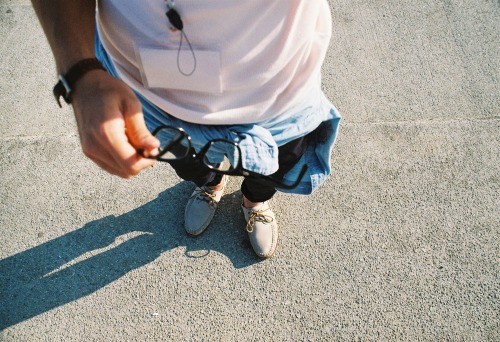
111, 124
108, 114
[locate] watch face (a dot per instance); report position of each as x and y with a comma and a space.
59, 91
65, 83
63, 87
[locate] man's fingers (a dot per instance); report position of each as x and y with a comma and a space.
125, 156
104, 159
124, 162
137, 132
112, 151
111, 125
106, 166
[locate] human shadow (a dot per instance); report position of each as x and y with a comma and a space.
87, 259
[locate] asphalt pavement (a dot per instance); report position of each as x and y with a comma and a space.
400, 244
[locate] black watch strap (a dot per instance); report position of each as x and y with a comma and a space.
66, 82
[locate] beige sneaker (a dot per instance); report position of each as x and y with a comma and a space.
200, 208
262, 229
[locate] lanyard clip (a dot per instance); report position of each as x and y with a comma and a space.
173, 16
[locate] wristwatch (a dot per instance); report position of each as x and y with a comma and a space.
64, 87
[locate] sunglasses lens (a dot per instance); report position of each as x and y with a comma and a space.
174, 144
222, 155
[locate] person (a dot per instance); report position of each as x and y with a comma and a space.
248, 72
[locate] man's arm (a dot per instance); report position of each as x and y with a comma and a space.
108, 114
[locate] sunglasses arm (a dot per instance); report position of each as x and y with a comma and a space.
276, 183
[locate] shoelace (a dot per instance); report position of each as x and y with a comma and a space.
257, 216
204, 195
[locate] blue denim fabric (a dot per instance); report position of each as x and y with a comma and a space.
259, 142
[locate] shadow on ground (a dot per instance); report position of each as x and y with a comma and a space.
87, 259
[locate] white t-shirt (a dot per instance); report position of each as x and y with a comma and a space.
250, 60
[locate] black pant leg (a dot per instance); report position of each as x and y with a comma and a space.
191, 169
289, 154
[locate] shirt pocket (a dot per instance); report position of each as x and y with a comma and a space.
194, 70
